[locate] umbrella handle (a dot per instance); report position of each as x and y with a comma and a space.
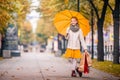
67, 36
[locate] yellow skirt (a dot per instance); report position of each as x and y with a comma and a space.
71, 53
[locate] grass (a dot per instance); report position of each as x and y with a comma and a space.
107, 66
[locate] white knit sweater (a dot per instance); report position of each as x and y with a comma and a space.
74, 39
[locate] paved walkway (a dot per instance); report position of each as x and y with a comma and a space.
44, 66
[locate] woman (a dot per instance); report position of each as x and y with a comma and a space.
75, 36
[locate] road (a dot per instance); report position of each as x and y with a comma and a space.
44, 66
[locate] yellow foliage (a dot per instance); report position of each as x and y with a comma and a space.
25, 32
66, 1
27, 26
8, 7
4, 18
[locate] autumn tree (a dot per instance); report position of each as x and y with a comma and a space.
116, 21
102, 16
26, 33
102, 19
8, 9
100, 22
48, 9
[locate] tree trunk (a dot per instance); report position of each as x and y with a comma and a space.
116, 33
100, 23
100, 46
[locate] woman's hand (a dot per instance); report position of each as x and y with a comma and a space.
86, 51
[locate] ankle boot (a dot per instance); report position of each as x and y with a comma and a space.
79, 73
73, 74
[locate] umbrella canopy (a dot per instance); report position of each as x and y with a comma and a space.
62, 21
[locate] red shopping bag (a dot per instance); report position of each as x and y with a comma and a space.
85, 63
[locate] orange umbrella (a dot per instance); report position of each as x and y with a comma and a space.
62, 21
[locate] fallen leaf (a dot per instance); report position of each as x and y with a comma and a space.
18, 68
105, 78
16, 79
13, 76
47, 69
54, 70
2, 74
51, 66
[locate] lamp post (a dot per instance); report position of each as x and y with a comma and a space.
92, 24
15, 16
0, 45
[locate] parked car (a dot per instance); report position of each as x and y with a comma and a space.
25, 48
42, 48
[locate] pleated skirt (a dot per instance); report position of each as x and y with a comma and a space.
72, 53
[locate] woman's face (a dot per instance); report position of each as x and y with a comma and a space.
74, 21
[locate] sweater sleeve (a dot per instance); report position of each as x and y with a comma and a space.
67, 31
82, 40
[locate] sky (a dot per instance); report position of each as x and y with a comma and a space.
33, 16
